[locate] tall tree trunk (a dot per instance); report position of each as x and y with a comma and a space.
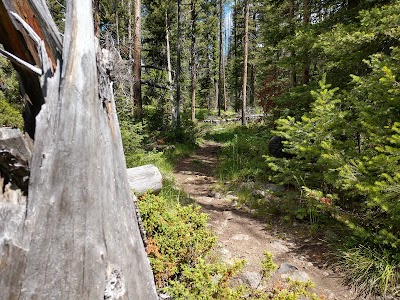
123, 32
305, 74
76, 237
96, 16
216, 90
236, 73
137, 67
130, 58
252, 85
292, 73
221, 55
210, 95
117, 22
224, 83
178, 67
171, 95
193, 59
245, 57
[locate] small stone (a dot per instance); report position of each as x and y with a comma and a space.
217, 195
286, 268
253, 279
300, 276
227, 214
279, 247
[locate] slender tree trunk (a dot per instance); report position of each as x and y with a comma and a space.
76, 237
130, 58
123, 32
130, 26
252, 85
235, 68
137, 67
221, 55
178, 67
305, 74
171, 94
96, 14
193, 59
117, 22
245, 57
224, 83
210, 95
216, 90
292, 73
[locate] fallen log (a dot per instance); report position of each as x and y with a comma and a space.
144, 179
250, 118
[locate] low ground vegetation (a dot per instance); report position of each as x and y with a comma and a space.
182, 253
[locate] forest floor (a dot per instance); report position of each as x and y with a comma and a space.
241, 235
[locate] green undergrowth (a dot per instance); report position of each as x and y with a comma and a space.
370, 270
181, 249
162, 151
359, 235
242, 151
10, 100
9, 115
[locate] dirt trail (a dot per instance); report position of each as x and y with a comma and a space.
242, 236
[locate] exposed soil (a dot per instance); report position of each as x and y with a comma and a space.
242, 236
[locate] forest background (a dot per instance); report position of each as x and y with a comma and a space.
324, 73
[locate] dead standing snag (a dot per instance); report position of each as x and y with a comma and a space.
78, 229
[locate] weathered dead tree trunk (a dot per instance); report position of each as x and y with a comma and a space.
170, 87
77, 236
137, 69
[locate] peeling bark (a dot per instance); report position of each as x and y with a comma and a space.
77, 235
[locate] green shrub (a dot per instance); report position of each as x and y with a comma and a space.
9, 116
207, 281
10, 99
180, 249
178, 236
349, 145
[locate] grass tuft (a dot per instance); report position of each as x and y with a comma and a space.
371, 271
